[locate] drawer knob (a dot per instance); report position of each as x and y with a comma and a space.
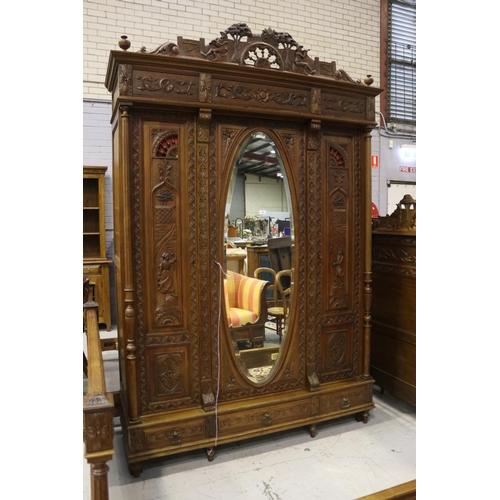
175, 438
267, 419
345, 403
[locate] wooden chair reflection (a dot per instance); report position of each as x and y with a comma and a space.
280, 253
280, 286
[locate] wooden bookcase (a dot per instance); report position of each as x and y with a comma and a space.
95, 263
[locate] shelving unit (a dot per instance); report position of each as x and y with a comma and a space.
95, 262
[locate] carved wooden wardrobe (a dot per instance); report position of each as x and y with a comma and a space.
181, 114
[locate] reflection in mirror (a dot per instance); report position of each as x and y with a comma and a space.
259, 246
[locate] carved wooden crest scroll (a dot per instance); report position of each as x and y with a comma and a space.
271, 49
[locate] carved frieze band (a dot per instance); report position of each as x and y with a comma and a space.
395, 255
177, 85
167, 339
183, 87
335, 104
340, 318
398, 270
260, 95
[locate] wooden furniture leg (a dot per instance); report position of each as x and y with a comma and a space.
135, 469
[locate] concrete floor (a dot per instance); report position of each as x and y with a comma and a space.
346, 460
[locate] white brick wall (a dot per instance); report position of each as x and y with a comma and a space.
344, 31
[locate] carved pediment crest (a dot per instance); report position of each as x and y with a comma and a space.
271, 49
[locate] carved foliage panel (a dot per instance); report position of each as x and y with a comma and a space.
165, 85
168, 377
339, 219
336, 349
345, 106
269, 96
165, 217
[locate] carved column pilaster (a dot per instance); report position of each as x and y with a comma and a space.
314, 245
367, 291
204, 234
129, 321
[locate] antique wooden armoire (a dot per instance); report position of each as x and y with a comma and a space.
181, 114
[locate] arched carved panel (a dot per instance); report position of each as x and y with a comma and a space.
339, 216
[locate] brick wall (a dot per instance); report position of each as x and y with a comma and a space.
345, 31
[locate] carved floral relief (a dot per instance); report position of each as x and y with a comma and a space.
165, 199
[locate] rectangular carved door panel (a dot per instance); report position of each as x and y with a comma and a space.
167, 349
340, 265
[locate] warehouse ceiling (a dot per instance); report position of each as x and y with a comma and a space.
259, 158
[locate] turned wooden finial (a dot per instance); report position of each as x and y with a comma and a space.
124, 44
368, 80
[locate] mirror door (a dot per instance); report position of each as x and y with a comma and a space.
259, 246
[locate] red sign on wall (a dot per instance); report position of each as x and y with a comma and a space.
410, 170
374, 161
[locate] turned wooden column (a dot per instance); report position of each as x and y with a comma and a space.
367, 221
129, 326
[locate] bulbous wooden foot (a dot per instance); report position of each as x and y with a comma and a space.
312, 430
136, 469
362, 416
210, 454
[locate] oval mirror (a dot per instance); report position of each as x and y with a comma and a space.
259, 241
